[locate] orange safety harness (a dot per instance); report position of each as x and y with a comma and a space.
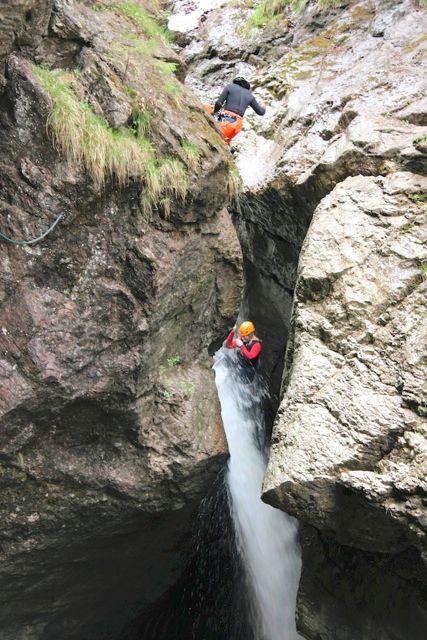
229, 122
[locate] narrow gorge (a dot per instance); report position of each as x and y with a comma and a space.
123, 516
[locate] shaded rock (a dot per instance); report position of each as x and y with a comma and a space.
23, 21
386, 590
349, 448
110, 430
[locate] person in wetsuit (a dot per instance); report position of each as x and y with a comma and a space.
233, 101
248, 345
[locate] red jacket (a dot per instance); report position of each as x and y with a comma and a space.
250, 351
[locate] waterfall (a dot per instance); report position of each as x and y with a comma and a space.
266, 537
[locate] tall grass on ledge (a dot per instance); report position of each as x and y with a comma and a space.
165, 179
86, 138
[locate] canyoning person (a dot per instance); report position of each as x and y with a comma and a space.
231, 105
248, 345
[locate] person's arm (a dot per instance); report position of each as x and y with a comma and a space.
222, 98
253, 353
231, 340
257, 107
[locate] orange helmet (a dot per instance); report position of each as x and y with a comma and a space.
246, 328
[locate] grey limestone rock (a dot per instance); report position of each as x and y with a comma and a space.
349, 448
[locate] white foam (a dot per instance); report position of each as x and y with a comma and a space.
267, 537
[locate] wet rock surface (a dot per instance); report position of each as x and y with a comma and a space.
349, 448
110, 431
340, 100
344, 137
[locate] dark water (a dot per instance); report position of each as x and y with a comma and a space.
237, 584
210, 601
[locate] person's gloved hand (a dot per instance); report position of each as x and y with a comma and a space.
239, 342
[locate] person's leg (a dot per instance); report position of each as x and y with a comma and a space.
231, 129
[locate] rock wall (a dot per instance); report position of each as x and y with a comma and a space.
349, 449
110, 431
344, 93
343, 139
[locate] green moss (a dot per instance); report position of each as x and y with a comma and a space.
174, 361
268, 10
234, 182
418, 198
142, 20
187, 387
166, 68
172, 88
318, 45
420, 143
131, 92
192, 154
362, 13
131, 43
303, 75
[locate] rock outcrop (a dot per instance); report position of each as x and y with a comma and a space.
344, 90
349, 450
344, 136
110, 431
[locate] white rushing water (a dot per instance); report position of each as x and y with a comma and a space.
266, 537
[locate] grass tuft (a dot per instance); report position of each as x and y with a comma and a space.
86, 138
234, 183
164, 179
142, 20
192, 154
174, 178
268, 10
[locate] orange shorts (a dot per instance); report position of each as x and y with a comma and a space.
230, 123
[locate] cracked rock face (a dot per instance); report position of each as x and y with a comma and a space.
344, 137
110, 430
349, 449
344, 90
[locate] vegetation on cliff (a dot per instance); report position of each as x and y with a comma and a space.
142, 73
267, 10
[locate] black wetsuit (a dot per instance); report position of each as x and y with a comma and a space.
237, 99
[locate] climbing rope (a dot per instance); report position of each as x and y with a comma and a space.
34, 240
